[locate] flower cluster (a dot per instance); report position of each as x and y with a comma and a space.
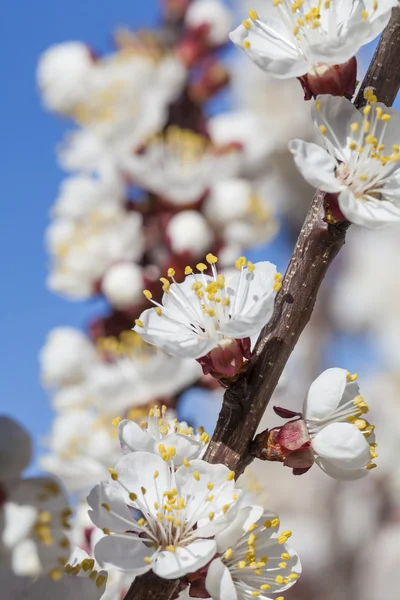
194, 524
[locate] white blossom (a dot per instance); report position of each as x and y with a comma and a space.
180, 165
80, 195
213, 14
81, 445
360, 159
122, 284
62, 75
181, 511
246, 221
126, 101
305, 38
204, 313
158, 434
135, 373
189, 232
341, 439
247, 129
83, 250
66, 357
254, 560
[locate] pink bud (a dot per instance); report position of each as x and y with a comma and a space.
294, 436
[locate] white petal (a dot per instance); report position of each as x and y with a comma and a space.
136, 472
174, 338
336, 114
338, 473
274, 53
188, 559
240, 525
316, 165
391, 189
185, 447
123, 553
196, 488
325, 394
252, 301
132, 437
367, 213
118, 518
343, 445
219, 582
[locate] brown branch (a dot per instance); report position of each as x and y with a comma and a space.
247, 398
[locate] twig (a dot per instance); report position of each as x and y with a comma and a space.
247, 398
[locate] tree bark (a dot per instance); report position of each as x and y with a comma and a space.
246, 399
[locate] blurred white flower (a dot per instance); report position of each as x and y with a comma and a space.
249, 131
180, 165
122, 284
206, 318
174, 441
81, 445
34, 511
78, 579
80, 195
360, 162
214, 15
66, 357
173, 536
303, 38
241, 215
188, 232
62, 74
126, 101
135, 373
254, 560
83, 250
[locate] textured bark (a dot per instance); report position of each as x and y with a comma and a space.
151, 587
247, 398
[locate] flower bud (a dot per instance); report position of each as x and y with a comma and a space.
189, 233
62, 75
122, 284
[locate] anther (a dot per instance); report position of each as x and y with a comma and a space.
210, 258
114, 474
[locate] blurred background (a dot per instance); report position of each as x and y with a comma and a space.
87, 225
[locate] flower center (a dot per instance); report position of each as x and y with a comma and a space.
367, 164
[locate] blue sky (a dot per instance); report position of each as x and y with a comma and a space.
30, 180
